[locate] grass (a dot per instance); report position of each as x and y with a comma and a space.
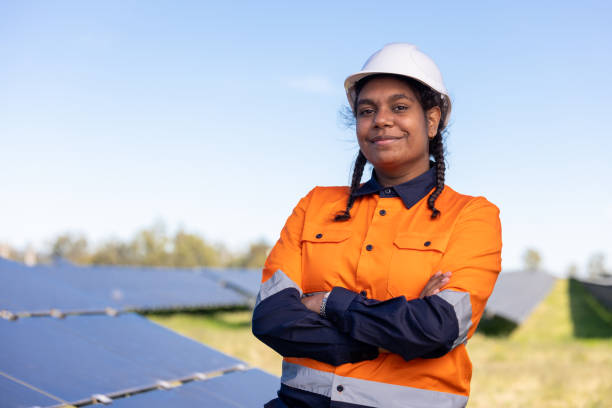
543, 363
560, 357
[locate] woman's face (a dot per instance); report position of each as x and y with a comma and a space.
392, 130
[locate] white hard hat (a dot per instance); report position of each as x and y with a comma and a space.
400, 59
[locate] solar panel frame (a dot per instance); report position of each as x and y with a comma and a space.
217, 392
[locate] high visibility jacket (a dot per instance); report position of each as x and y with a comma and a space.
376, 265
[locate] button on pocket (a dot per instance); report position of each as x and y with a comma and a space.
323, 256
414, 258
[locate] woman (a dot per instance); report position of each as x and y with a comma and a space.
353, 295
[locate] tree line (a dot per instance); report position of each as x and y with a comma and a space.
155, 247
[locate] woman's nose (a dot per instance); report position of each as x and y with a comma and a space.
383, 119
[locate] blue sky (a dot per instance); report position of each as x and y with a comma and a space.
218, 116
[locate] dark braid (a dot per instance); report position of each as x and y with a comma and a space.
436, 149
428, 98
360, 163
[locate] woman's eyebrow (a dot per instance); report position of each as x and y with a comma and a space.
401, 96
392, 98
365, 102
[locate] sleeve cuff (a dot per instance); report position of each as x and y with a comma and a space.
338, 303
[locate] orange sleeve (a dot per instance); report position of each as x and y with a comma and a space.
287, 252
473, 255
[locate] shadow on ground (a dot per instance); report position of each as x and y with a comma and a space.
589, 317
224, 318
496, 326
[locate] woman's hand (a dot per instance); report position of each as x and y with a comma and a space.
434, 284
313, 302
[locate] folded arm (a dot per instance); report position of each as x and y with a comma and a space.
281, 320
431, 326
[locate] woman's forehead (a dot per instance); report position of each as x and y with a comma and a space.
385, 87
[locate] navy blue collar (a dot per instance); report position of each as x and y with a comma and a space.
411, 192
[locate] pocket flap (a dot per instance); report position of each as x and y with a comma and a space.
421, 242
314, 233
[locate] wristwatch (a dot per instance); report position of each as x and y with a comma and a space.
323, 304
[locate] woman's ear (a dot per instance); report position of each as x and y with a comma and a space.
433, 119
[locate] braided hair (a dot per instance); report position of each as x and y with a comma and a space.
428, 98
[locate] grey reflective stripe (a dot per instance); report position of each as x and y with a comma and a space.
275, 284
463, 310
366, 393
307, 379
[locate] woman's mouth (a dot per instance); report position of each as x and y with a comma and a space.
383, 140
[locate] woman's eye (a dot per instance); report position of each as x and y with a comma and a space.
366, 112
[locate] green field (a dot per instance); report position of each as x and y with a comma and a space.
560, 357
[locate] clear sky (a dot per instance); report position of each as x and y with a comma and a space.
218, 116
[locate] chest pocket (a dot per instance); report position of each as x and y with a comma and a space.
414, 259
323, 257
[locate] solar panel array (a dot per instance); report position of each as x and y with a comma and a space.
75, 289
244, 281
516, 294
601, 289
62, 344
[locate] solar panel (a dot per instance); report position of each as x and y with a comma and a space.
145, 288
256, 386
17, 395
238, 389
67, 287
76, 357
245, 281
31, 289
516, 294
601, 289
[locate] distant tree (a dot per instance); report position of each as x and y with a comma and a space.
572, 271
72, 247
596, 266
114, 252
255, 257
532, 259
191, 250
152, 247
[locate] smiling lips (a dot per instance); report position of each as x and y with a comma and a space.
382, 140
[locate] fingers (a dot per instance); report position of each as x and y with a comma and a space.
313, 302
435, 283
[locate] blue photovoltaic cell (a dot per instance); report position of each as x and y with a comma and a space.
516, 294
168, 354
145, 288
15, 395
239, 389
32, 289
252, 388
78, 356
40, 352
246, 281
67, 287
